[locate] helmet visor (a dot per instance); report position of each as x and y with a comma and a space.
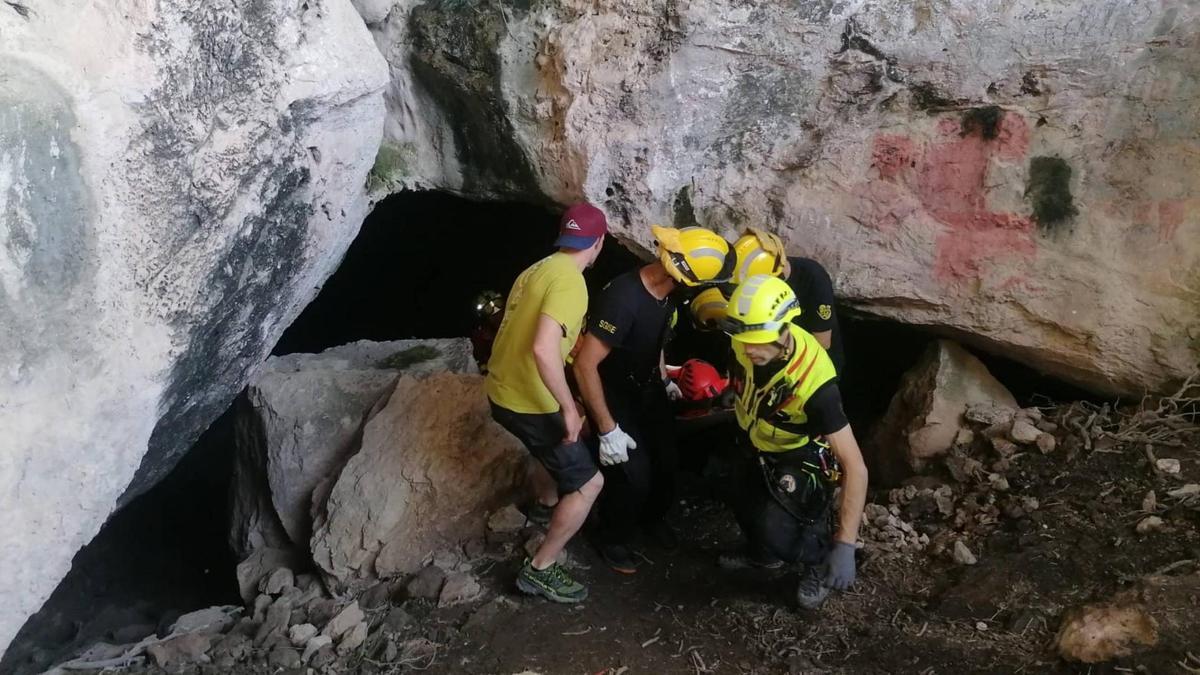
754, 333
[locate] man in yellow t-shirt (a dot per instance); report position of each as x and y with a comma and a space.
527, 386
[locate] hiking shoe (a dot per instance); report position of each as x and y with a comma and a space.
552, 583
744, 561
538, 513
811, 591
618, 558
663, 534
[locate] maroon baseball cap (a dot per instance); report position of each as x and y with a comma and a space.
581, 226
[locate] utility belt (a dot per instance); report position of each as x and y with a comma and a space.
644, 381
802, 481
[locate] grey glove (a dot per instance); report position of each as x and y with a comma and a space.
841, 566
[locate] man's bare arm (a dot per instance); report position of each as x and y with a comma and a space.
587, 375
854, 483
547, 354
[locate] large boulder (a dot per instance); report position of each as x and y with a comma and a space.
303, 416
926, 412
432, 464
177, 178
1033, 190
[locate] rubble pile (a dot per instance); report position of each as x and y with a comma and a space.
970, 492
291, 620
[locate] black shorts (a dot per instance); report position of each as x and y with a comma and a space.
570, 464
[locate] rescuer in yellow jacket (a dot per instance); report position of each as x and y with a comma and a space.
790, 410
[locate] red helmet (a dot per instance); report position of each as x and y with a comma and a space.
699, 381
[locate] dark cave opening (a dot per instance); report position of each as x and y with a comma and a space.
418, 263
163, 555
413, 271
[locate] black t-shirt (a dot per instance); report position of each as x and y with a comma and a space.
824, 410
814, 290
634, 323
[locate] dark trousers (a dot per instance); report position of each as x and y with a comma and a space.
774, 532
638, 493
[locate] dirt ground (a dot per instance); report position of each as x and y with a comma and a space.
1115, 501
914, 611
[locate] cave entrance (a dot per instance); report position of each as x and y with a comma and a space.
420, 261
414, 271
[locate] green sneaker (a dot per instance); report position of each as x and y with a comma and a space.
552, 582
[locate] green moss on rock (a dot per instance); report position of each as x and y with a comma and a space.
411, 356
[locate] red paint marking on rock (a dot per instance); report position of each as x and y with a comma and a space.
892, 155
1170, 216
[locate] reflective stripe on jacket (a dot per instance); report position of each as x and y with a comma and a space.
772, 412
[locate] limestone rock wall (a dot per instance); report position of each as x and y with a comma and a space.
177, 179
1022, 176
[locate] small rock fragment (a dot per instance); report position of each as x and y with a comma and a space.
301, 634
962, 554
229, 650
944, 497
376, 597
189, 648
211, 620
427, 583
1004, 447
964, 438
963, 469
1047, 426
1149, 502
1149, 524
1023, 432
989, 413
353, 638
275, 623
322, 610
314, 645
261, 604
460, 587
283, 656
1189, 490
1046, 443
1168, 465
323, 657
998, 482
348, 618
507, 519
278, 581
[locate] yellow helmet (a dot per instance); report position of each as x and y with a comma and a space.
759, 309
708, 308
694, 256
758, 252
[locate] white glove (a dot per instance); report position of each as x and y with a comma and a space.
615, 446
673, 391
